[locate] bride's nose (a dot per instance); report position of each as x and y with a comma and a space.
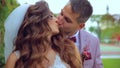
60, 19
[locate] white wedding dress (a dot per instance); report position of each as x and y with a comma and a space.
58, 63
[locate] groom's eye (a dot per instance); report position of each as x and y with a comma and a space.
68, 20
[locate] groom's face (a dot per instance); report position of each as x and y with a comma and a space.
67, 20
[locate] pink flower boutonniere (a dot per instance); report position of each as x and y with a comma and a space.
86, 55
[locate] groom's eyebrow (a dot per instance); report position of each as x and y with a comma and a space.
65, 17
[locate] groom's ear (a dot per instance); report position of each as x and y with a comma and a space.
81, 25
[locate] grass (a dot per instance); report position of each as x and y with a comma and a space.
111, 63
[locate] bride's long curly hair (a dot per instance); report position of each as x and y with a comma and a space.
32, 40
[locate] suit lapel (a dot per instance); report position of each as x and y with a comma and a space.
83, 39
85, 44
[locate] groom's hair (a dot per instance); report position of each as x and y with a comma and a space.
83, 8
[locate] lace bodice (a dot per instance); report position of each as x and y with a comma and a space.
58, 63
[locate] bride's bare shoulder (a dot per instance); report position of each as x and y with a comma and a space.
11, 61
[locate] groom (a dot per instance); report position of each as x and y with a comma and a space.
71, 21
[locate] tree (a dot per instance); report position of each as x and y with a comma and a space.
103, 22
6, 6
93, 29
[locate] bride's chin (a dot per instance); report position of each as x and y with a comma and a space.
56, 32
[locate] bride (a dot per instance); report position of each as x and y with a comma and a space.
33, 40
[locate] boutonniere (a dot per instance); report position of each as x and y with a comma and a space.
86, 55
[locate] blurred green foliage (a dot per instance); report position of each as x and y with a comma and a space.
2, 62
110, 32
107, 26
6, 6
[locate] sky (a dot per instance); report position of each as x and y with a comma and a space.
99, 6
